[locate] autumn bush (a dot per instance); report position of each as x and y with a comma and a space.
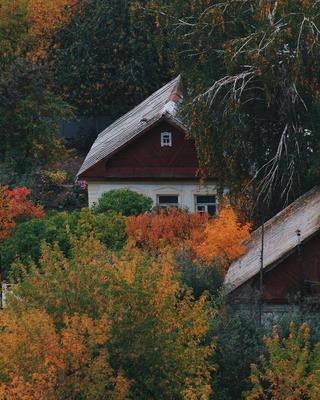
289, 370
164, 228
220, 239
25, 240
124, 201
113, 316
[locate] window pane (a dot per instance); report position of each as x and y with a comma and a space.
212, 210
206, 199
168, 199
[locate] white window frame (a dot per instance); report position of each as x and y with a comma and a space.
204, 206
166, 139
168, 205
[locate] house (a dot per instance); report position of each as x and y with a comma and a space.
289, 266
147, 151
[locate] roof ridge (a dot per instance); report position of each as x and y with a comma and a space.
160, 104
138, 106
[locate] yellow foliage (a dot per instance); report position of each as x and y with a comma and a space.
291, 369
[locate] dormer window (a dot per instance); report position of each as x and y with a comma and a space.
166, 139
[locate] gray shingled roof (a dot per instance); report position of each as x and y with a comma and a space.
161, 104
280, 238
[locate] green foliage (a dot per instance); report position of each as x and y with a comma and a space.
110, 57
251, 70
157, 334
123, 201
25, 242
239, 344
199, 276
30, 117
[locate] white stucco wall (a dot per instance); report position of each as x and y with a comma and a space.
185, 190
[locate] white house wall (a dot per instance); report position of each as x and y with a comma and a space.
185, 190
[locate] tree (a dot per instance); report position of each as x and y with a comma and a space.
223, 238
290, 370
251, 72
157, 333
14, 205
115, 52
30, 117
123, 201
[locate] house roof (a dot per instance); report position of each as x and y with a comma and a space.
280, 238
160, 105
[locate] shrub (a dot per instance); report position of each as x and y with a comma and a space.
164, 228
26, 238
123, 201
198, 276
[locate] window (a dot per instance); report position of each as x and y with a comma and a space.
167, 201
206, 204
166, 139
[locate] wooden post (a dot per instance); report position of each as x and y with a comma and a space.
261, 273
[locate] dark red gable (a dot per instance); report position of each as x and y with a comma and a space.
299, 273
296, 275
145, 158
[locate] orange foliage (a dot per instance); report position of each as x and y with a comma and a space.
166, 228
39, 363
30, 356
14, 204
223, 237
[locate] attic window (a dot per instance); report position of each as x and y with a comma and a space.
166, 139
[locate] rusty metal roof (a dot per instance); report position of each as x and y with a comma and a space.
280, 238
160, 105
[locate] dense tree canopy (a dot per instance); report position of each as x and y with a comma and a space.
30, 117
110, 57
27, 26
105, 316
